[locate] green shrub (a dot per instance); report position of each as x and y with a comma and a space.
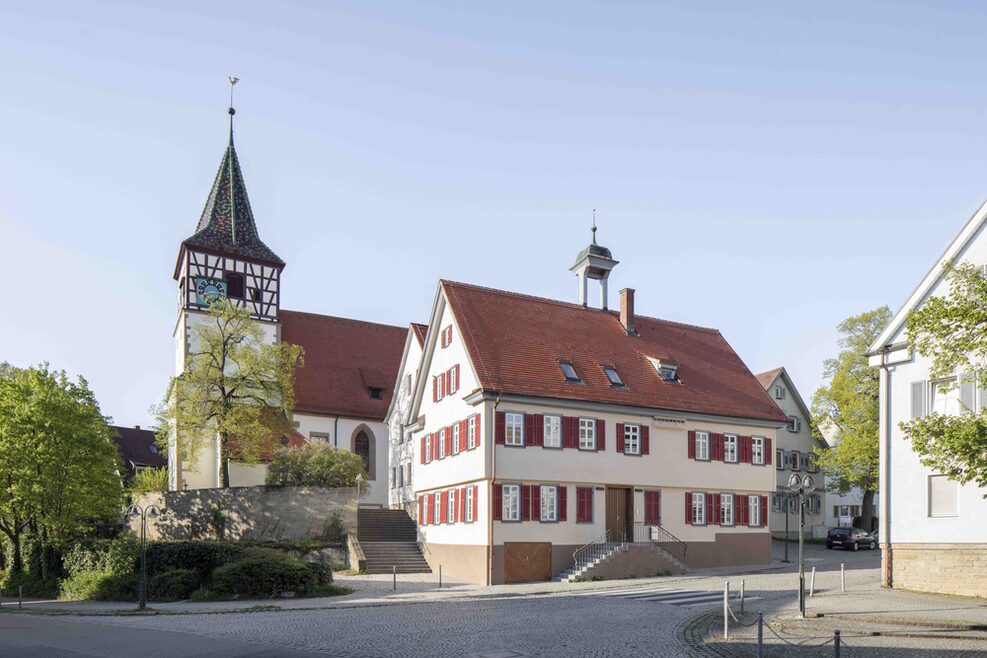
315, 465
201, 556
30, 583
263, 573
174, 585
119, 556
99, 586
149, 480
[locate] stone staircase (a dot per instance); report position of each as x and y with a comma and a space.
609, 557
389, 539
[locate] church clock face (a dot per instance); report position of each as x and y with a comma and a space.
208, 290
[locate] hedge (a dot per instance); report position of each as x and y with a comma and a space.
201, 556
264, 573
174, 585
116, 556
99, 586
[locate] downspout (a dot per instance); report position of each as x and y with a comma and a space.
490, 502
335, 433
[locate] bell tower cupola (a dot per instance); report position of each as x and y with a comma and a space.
593, 262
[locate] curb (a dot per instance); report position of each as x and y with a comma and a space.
905, 621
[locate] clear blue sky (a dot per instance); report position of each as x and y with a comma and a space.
768, 169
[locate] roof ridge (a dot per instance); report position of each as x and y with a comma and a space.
573, 305
324, 316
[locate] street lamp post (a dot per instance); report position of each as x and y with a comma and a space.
144, 513
801, 485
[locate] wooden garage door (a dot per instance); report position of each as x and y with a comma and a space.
527, 561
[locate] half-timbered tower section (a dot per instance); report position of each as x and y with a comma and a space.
543, 428
402, 452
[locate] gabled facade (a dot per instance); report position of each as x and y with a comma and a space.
933, 531
794, 453
402, 452
345, 387
541, 426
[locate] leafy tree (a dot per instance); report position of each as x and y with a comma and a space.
59, 467
149, 480
234, 386
315, 466
952, 331
849, 405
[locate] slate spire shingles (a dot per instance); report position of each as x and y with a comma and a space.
227, 223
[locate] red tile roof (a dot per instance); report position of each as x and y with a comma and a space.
421, 330
343, 360
767, 378
516, 341
137, 447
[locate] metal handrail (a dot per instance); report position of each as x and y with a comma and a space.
658, 535
596, 548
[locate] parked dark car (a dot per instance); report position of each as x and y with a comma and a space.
852, 539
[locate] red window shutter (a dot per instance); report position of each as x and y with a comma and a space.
718, 451
456, 368
435, 389
764, 511
537, 430
449, 441
768, 452
742, 504
498, 501
500, 430
421, 509
476, 501
713, 509
688, 508
529, 429
443, 506
692, 444
525, 502
562, 502
478, 432
645, 440
584, 504
431, 508
601, 435
536, 502
658, 507
620, 437
464, 430
651, 507
567, 431
462, 505
745, 449
444, 377
435, 446
423, 448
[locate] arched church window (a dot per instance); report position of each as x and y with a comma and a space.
361, 446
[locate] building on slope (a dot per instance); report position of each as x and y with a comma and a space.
402, 494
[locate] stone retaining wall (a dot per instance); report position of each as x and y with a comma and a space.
250, 512
942, 568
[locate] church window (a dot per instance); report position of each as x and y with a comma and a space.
234, 285
361, 446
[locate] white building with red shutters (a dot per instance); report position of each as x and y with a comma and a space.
546, 430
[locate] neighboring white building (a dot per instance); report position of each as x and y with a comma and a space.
933, 531
794, 453
343, 390
541, 426
402, 493
841, 510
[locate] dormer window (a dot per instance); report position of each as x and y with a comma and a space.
376, 393
614, 378
570, 373
669, 372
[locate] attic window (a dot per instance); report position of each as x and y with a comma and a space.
234, 285
376, 393
669, 372
614, 378
570, 373
153, 448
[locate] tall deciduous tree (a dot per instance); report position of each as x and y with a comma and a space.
848, 404
234, 386
59, 467
952, 331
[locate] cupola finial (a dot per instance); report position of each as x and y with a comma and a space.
232, 111
594, 225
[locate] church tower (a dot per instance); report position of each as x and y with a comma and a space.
593, 262
224, 258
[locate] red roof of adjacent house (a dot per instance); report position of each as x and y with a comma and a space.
421, 330
516, 342
344, 359
767, 378
138, 447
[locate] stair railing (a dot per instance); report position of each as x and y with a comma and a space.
662, 538
597, 548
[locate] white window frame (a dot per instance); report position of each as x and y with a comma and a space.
702, 440
725, 519
428, 449
779, 392
728, 440
453, 380
510, 502
451, 508
553, 510
794, 424
779, 459
632, 439
442, 443
937, 477
777, 502
757, 450
553, 438
753, 511
455, 439
796, 460
514, 428
471, 432
698, 508
587, 433
613, 377
469, 505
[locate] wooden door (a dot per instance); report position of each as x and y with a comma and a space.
619, 506
525, 561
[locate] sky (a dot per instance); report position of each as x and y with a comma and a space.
767, 169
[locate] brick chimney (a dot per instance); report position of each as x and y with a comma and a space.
627, 310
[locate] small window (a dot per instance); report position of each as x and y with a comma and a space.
471, 433
796, 460
754, 518
698, 508
428, 449
757, 450
614, 378
442, 443
668, 374
587, 434
794, 424
667, 371
511, 508
777, 502
451, 511
318, 437
702, 446
469, 504
942, 496
569, 372
549, 503
376, 393
779, 392
455, 439
514, 429
779, 459
730, 447
552, 437
256, 294
234, 285
632, 439
726, 509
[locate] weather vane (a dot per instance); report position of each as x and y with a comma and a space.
233, 81
594, 225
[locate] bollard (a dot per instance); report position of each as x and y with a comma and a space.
440, 576
726, 610
394, 570
836, 643
20, 597
741, 596
812, 581
842, 577
760, 635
